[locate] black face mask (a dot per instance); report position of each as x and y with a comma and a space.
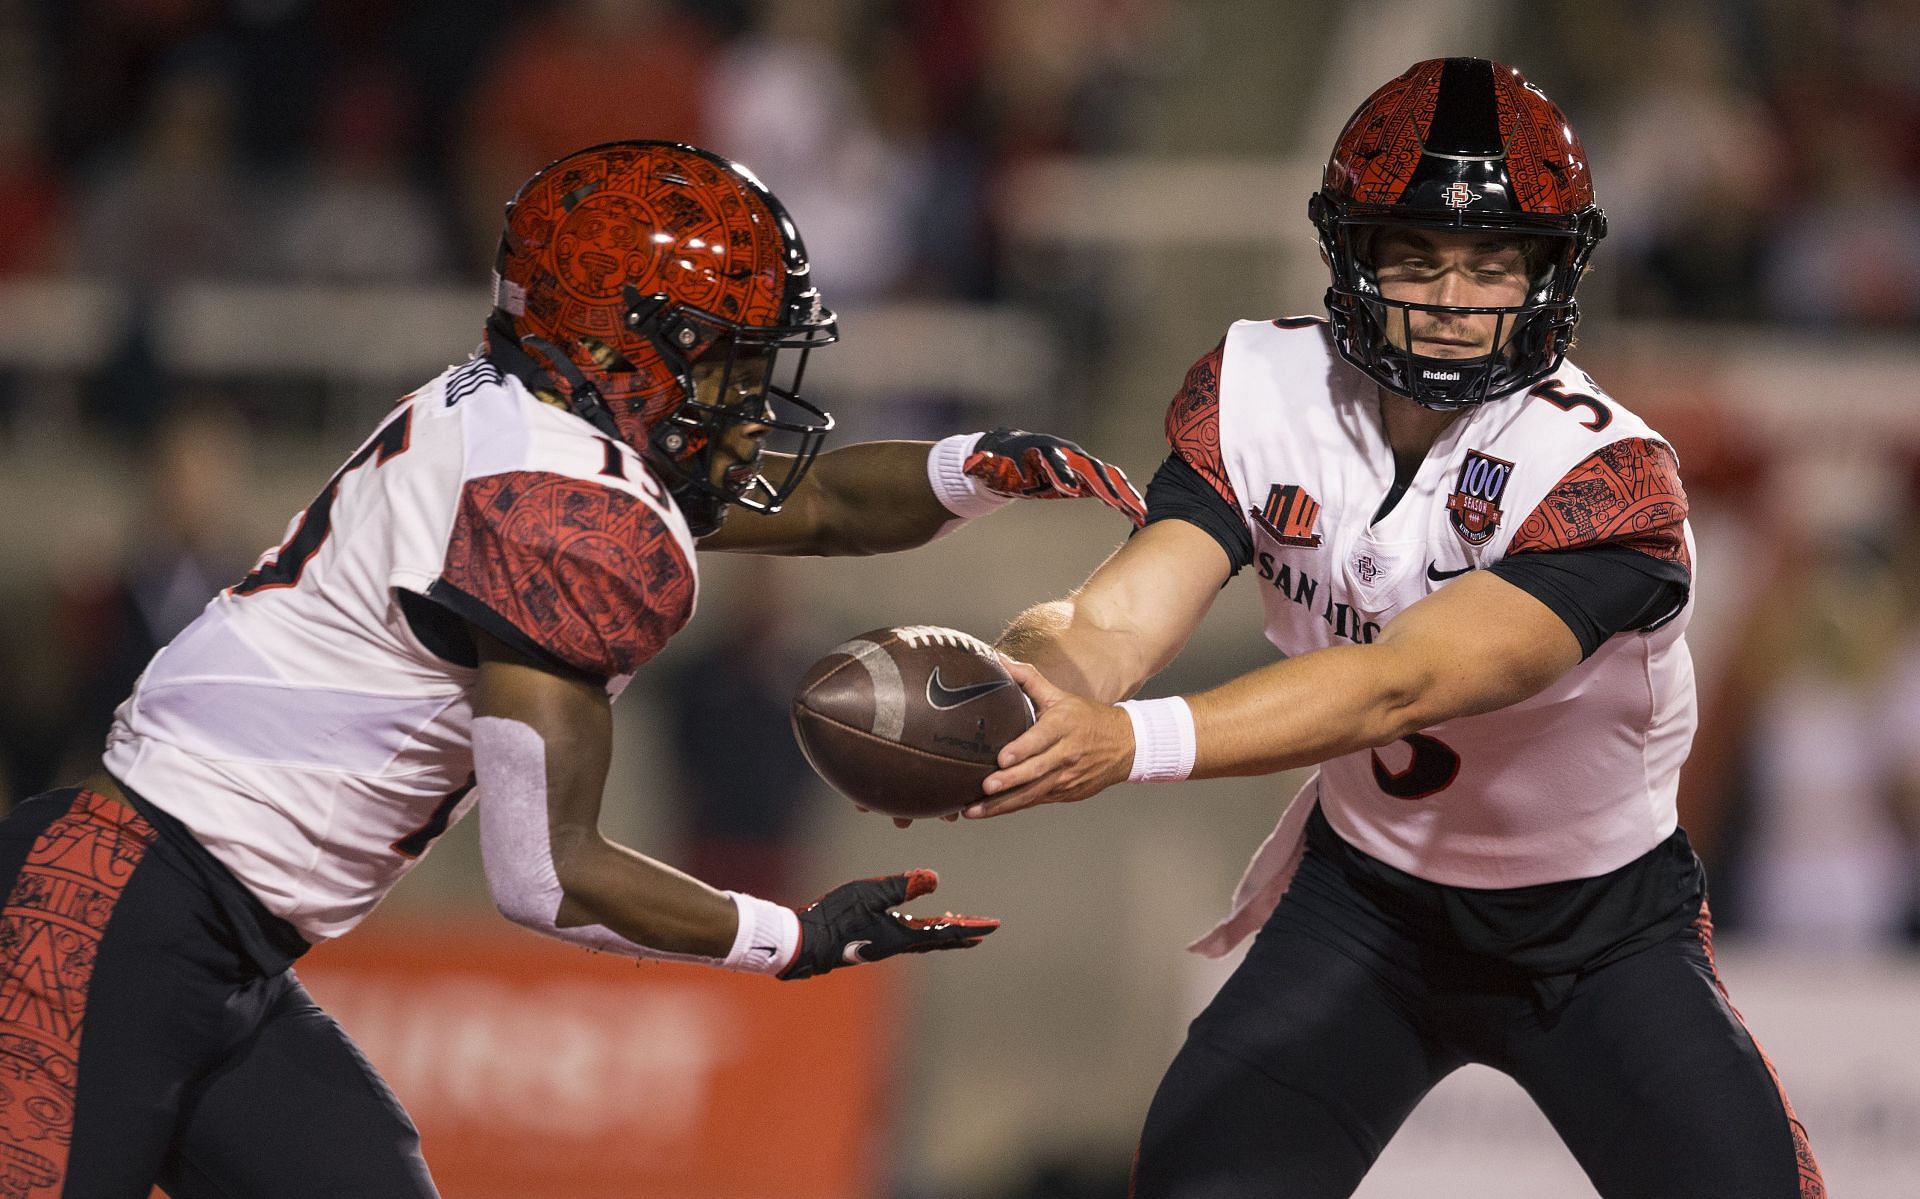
1532, 336
682, 447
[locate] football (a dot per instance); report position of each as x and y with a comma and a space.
908, 721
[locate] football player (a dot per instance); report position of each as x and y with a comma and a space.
444, 628
1478, 565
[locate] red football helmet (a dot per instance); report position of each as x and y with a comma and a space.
621, 266
1458, 143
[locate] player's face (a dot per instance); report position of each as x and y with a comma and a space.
738, 453
1465, 269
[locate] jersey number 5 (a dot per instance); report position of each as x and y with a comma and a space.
1567, 401
282, 568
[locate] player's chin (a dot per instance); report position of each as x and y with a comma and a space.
1447, 349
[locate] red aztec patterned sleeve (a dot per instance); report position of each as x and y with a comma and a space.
1193, 423
590, 575
1627, 495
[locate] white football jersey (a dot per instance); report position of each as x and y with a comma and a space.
312, 727
1571, 783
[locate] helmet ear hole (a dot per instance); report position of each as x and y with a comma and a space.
605, 356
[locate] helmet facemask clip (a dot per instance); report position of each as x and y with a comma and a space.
687, 444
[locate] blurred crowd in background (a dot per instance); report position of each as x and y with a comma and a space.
371, 140
1761, 161
1759, 164
1758, 160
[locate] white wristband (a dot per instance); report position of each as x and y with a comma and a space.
958, 492
1164, 745
768, 937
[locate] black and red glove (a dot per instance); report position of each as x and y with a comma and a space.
853, 924
1036, 466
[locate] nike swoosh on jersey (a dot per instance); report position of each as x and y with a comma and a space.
1441, 576
943, 697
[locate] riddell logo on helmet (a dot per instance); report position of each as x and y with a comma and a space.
1441, 376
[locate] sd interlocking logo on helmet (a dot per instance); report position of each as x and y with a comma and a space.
1458, 144
624, 265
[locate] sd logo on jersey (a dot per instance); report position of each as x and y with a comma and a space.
1474, 506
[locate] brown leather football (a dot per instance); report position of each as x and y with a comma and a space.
908, 721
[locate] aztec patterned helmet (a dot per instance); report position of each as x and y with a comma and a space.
625, 264
1458, 144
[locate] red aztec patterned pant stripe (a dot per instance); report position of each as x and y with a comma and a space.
1812, 1186
50, 932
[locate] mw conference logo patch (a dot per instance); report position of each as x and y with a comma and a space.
1289, 515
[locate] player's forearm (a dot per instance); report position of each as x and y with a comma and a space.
1132, 618
1293, 713
1084, 650
1334, 701
1474, 646
1310, 709
870, 498
647, 902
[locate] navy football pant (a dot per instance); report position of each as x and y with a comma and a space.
1294, 1078
141, 1043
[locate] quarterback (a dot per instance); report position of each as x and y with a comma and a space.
442, 630
1478, 567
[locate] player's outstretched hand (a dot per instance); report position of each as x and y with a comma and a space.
1036, 466
1075, 749
854, 923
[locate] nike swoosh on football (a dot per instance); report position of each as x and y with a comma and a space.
1441, 576
943, 697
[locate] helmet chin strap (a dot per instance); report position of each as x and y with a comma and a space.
704, 509
583, 398
704, 513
